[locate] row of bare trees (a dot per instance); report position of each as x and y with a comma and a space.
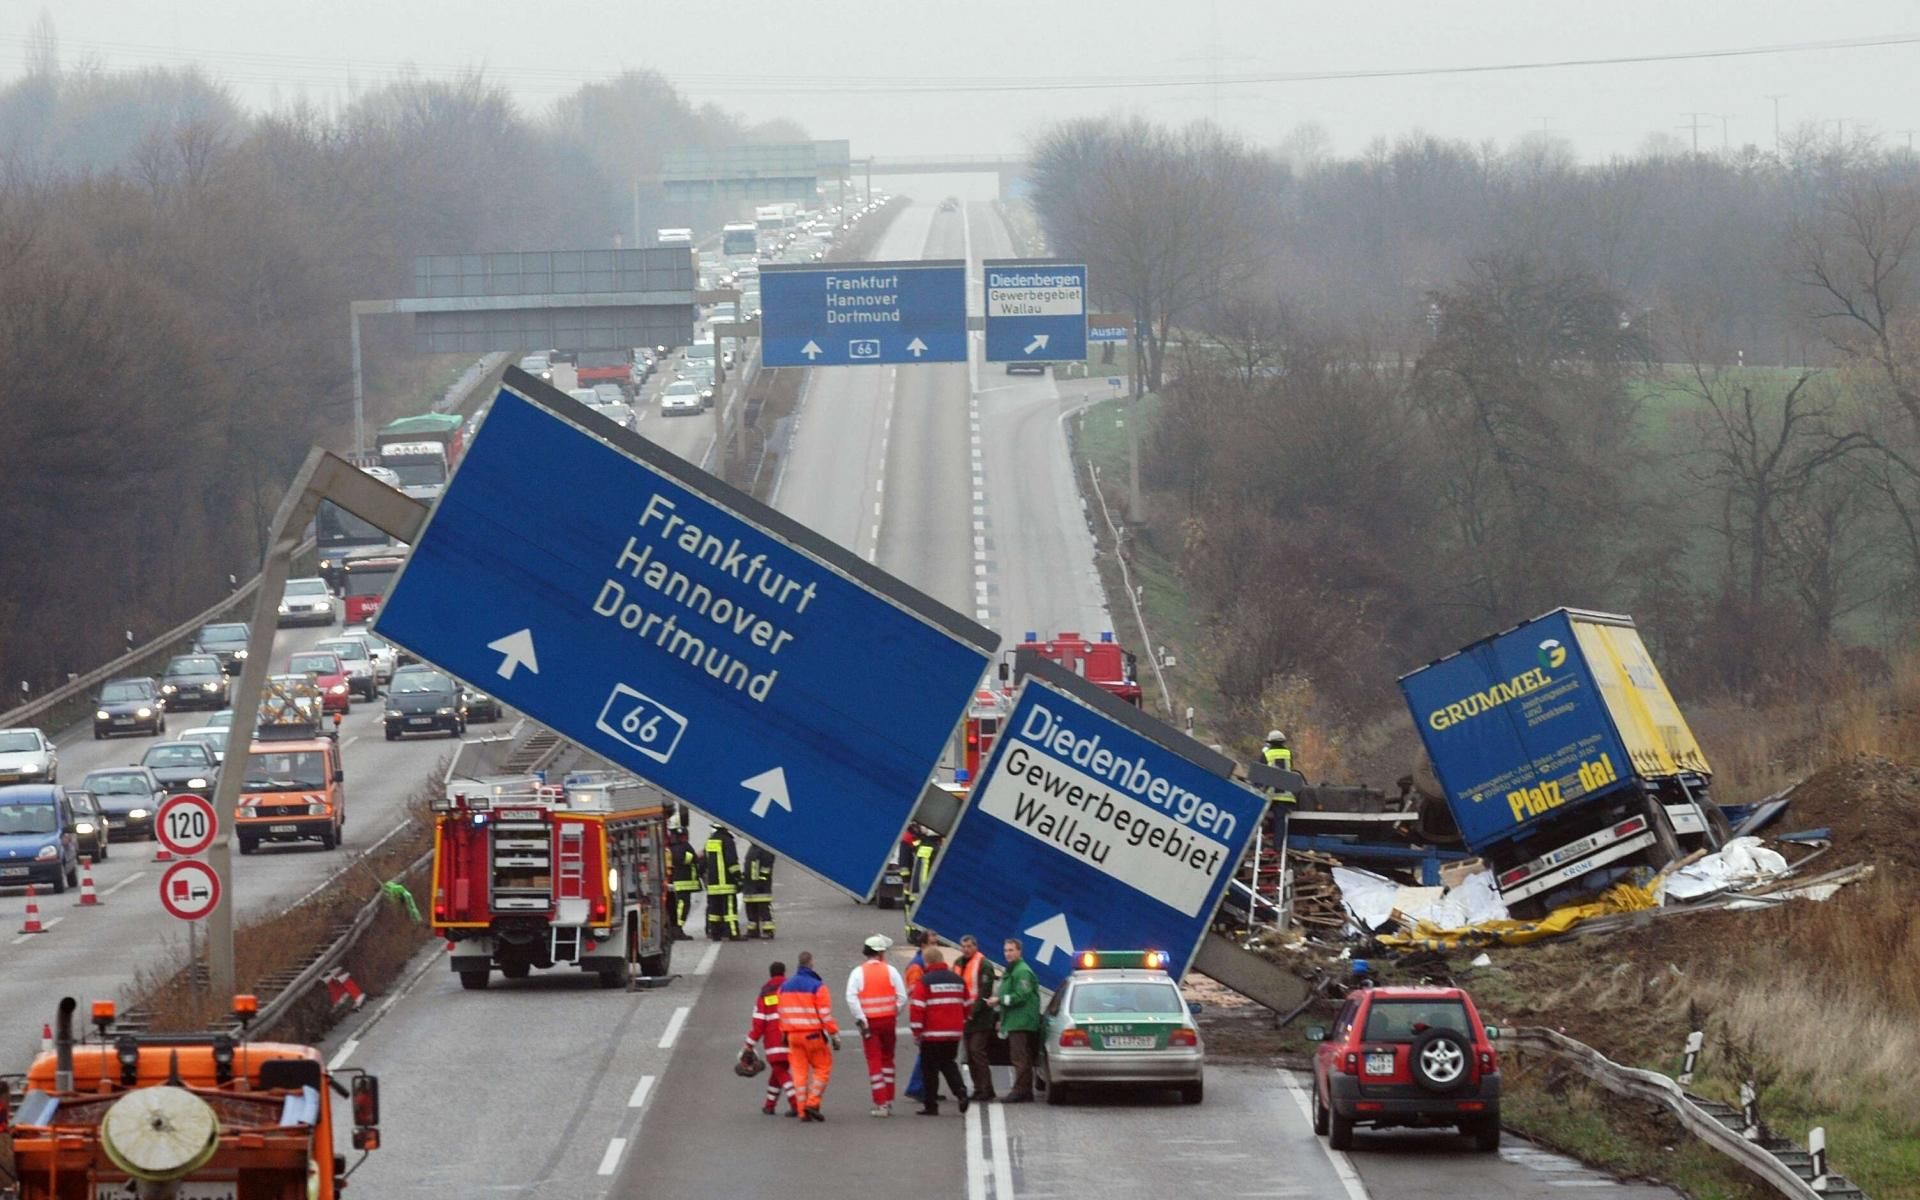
174, 281
1415, 396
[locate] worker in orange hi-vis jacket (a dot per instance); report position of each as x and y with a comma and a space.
806, 1019
877, 994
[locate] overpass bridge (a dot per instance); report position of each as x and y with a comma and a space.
1012, 170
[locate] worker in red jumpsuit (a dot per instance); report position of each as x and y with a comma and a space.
765, 1031
876, 994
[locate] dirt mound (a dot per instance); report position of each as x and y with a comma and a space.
1871, 804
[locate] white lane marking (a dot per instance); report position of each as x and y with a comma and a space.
976, 1156
1342, 1165
706, 960
348, 741
341, 1055
124, 882
674, 1023
1002, 1156
610, 1161
45, 925
1580, 1183
640, 1090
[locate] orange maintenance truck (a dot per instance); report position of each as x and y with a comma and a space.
295, 785
527, 874
204, 1115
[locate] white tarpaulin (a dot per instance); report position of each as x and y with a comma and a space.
1741, 862
1368, 897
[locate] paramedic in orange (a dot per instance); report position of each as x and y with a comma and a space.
877, 994
806, 1019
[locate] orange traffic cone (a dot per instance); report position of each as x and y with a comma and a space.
33, 924
161, 853
46, 1039
88, 898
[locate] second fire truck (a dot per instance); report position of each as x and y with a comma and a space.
530, 875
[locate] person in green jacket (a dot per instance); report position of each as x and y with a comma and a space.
1017, 1000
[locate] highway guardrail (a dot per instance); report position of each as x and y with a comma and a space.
1782, 1165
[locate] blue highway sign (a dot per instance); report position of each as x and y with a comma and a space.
650, 613
1036, 310
863, 313
1109, 327
1093, 826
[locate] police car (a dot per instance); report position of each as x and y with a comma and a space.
1119, 1020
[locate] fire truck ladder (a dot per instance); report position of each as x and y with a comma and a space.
570, 892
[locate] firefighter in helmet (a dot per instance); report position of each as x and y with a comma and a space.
918, 873
759, 891
720, 872
683, 869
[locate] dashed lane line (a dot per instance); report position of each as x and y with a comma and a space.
706, 960
678, 1019
137, 875
610, 1161
640, 1090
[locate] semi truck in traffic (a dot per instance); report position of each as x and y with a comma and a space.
1562, 754
527, 875
673, 237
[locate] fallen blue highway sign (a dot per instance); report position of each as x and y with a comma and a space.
1093, 826
650, 613
841, 314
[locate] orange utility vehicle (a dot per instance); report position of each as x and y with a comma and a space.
206, 1115
528, 875
295, 785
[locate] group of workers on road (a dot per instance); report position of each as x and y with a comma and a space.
728, 882
955, 1007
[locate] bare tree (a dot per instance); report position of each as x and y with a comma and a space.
1165, 220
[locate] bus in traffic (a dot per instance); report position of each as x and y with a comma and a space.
737, 240
367, 582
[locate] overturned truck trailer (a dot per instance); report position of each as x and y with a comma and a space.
1563, 755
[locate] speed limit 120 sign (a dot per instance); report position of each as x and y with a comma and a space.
189, 889
185, 824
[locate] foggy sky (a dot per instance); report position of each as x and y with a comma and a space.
813, 55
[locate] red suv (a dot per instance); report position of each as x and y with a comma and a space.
1407, 1056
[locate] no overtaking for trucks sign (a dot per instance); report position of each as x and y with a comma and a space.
1093, 826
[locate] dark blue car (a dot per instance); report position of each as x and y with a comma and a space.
37, 840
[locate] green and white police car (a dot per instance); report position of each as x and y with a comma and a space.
1119, 1021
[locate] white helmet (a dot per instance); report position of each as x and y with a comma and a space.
1274, 735
878, 943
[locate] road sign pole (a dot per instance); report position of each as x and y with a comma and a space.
1136, 502
323, 476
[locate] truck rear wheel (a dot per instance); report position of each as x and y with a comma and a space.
1666, 844
518, 970
474, 981
614, 974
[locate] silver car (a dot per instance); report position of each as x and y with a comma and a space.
306, 602
354, 656
1129, 1027
27, 756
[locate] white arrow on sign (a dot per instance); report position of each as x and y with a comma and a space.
917, 347
1053, 935
812, 350
1039, 342
516, 651
769, 788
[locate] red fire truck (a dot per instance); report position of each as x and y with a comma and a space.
1103, 663
530, 875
